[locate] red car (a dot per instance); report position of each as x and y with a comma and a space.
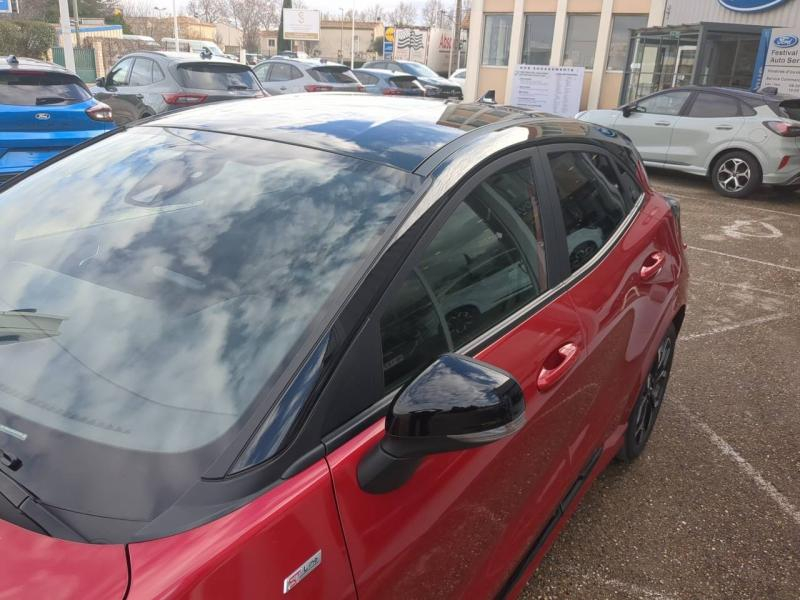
324, 346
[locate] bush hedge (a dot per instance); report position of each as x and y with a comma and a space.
26, 38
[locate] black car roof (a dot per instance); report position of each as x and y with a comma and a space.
399, 132
30, 64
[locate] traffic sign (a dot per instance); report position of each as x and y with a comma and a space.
388, 50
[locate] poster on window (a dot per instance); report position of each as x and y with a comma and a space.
554, 90
781, 60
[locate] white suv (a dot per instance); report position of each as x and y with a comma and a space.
739, 139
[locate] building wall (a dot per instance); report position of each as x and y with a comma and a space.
335, 37
601, 87
684, 12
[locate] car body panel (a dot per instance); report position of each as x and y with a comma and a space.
250, 552
38, 566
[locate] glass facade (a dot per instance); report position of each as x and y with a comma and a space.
581, 41
496, 40
703, 54
621, 30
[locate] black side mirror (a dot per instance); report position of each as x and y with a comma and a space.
487, 98
456, 403
627, 110
100, 82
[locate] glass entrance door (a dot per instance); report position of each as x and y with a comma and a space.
684, 65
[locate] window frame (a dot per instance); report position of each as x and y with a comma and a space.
624, 68
565, 47
534, 15
569, 278
486, 17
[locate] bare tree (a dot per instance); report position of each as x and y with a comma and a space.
251, 16
137, 8
432, 13
403, 15
209, 11
375, 12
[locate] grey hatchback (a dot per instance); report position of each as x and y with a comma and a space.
282, 75
147, 83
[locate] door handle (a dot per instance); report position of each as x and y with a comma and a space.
724, 127
556, 366
139, 96
663, 123
283, 89
652, 265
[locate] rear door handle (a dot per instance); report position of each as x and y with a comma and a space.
139, 96
663, 123
724, 127
556, 366
652, 265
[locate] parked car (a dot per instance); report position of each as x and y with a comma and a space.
143, 84
197, 47
44, 109
286, 75
229, 357
459, 78
738, 139
145, 41
435, 85
389, 83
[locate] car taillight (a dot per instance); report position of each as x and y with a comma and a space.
100, 112
392, 92
183, 99
782, 128
315, 87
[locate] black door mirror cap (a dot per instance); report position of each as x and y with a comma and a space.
456, 403
100, 82
628, 109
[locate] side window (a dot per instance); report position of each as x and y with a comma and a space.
158, 74
142, 72
714, 105
119, 74
280, 72
485, 263
367, 79
296, 73
261, 72
669, 103
591, 206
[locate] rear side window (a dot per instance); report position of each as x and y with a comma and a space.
790, 109
367, 79
485, 263
592, 206
217, 76
284, 72
21, 88
714, 105
405, 83
332, 75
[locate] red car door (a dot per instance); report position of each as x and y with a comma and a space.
625, 262
474, 284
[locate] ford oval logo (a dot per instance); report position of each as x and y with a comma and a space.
42, 116
750, 5
785, 41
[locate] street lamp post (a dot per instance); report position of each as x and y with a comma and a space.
341, 34
175, 26
353, 38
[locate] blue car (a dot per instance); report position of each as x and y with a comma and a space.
44, 109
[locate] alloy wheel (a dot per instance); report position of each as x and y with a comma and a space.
733, 174
653, 393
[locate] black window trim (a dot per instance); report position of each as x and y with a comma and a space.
557, 261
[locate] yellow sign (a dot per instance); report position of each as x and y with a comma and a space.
388, 34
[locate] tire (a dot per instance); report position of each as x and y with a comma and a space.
643, 417
736, 174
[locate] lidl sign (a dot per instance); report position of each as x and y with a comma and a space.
750, 5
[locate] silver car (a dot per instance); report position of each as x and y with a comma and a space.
739, 139
282, 75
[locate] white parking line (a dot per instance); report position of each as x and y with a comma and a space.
744, 206
768, 488
732, 326
743, 287
752, 260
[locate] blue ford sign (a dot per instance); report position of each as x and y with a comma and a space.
750, 5
785, 41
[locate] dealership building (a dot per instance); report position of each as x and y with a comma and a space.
628, 48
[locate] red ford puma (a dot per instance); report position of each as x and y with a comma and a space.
323, 347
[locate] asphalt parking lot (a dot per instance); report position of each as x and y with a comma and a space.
712, 509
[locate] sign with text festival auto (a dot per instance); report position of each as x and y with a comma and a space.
782, 61
300, 24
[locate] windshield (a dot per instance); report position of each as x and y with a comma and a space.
154, 281
217, 76
418, 69
36, 88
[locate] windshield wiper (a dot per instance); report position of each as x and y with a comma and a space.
53, 100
